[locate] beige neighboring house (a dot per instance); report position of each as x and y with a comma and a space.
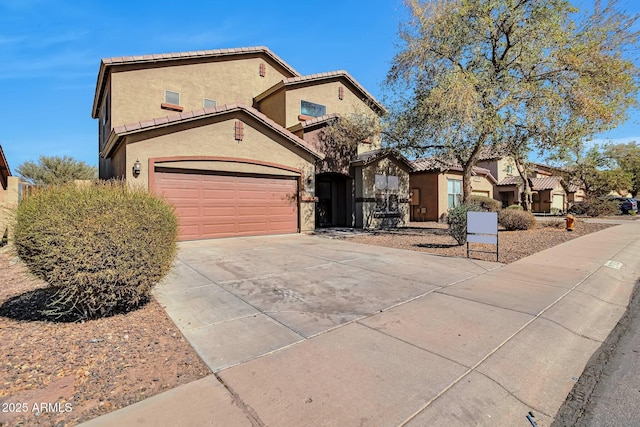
550, 193
233, 139
436, 186
9, 194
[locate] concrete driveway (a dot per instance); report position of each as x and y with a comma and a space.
240, 298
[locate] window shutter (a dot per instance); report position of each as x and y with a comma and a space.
340, 93
239, 130
263, 69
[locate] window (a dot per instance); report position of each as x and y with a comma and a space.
208, 103
171, 97
387, 200
454, 190
509, 169
263, 69
311, 109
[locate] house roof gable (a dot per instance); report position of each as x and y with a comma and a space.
434, 164
322, 78
107, 63
118, 132
537, 184
368, 157
5, 171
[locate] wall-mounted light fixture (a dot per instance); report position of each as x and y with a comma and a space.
136, 168
308, 184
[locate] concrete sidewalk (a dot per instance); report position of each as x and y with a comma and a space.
485, 350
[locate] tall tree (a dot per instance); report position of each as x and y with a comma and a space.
473, 75
56, 170
627, 157
593, 169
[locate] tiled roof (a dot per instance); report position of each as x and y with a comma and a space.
318, 120
319, 78
546, 183
435, 164
120, 131
537, 184
4, 165
510, 180
573, 188
106, 63
373, 155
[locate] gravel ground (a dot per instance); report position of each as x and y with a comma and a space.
61, 374
432, 237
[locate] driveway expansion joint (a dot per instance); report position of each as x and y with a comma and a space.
248, 411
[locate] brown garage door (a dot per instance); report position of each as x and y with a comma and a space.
211, 206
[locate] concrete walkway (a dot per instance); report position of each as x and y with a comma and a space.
386, 337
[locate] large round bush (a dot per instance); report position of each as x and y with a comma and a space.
101, 246
514, 219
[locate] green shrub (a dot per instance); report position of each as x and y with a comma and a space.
457, 220
514, 219
595, 207
516, 207
101, 246
487, 203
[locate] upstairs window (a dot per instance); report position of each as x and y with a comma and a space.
208, 103
312, 109
171, 97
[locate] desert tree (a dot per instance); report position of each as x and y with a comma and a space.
627, 158
56, 170
475, 75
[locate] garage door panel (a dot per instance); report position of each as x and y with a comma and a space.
210, 206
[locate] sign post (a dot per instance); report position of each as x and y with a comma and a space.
482, 227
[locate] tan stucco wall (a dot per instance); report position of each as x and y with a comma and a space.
325, 94
480, 183
499, 167
216, 138
366, 189
8, 202
119, 162
136, 94
274, 107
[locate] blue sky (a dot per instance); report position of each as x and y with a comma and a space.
50, 53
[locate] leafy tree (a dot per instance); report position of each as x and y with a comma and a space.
56, 170
473, 75
593, 169
627, 157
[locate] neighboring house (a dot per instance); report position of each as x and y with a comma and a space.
550, 193
9, 194
233, 139
436, 186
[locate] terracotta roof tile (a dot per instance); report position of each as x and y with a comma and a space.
426, 164
4, 165
537, 184
510, 180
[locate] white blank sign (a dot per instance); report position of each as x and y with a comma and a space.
482, 223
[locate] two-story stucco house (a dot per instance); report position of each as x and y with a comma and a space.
232, 138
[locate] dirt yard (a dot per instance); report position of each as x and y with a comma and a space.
432, 237
61, 374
